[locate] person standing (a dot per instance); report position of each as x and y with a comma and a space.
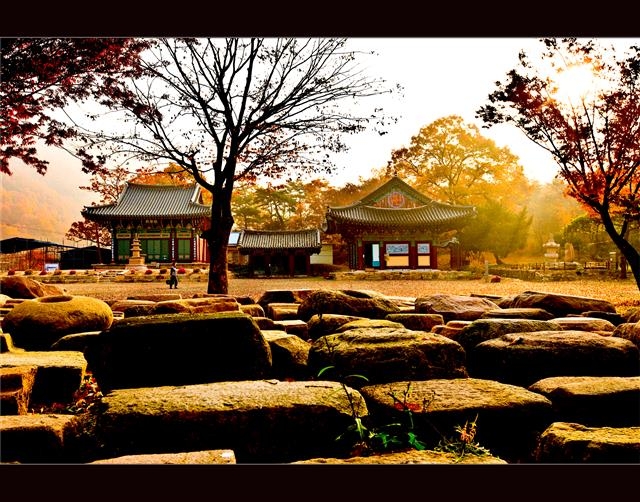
173, 276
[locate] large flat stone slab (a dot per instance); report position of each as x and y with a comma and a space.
593, 401
34, 438
482, 330
508, 417
409, 457
386, 355
261, 420
179, 349
207, 457
526, 357
59, 374
560, 305
16, 384
573, 443
454, 307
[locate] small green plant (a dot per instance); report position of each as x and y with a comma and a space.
356, 434
362, 440
464, 443
399, 434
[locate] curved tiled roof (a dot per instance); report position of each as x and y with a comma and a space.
146, 201
427, 214
392, 184
286, 239
431, 215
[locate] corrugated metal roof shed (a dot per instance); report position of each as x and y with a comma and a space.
19, 244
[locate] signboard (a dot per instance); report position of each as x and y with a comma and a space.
423, 248
397, 248
154, 234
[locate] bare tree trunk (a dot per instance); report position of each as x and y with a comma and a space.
218, 239
218, 277
628, 253
623, 267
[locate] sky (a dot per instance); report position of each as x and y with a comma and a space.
440, 77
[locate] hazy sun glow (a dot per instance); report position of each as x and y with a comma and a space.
574, 83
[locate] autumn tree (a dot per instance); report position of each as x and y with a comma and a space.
173, 174
588, 238
450, 161
294, 205
244, 207
278, 203
593, 133
496, 229
90, 231
228, 109
41, 76
108, 184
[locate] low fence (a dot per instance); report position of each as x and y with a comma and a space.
544, 271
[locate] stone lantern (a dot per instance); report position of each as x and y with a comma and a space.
569, 252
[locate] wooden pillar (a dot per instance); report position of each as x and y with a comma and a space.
292, 263
250, 263
360, 255
114, 245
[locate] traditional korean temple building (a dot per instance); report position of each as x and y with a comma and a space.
279, 252
395, 226
166, 219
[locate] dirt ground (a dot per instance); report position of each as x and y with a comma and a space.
620, 293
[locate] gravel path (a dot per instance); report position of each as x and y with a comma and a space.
620, 293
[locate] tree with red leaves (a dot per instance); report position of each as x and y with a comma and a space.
39, 77
593, 134
92, 232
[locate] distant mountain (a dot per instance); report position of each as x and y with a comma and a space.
43, 207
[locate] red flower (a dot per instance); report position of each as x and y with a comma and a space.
407, 406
